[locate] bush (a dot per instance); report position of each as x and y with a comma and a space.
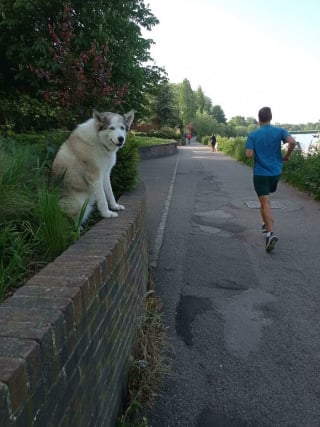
144, 141
25, 113
303, 172
205, 140
234, 147
164, 133
124, 176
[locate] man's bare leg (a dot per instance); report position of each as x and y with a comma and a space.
265, 210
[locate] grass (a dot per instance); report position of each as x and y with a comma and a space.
147, 364
33, 230
16, 254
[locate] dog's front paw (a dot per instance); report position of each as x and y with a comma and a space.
117, 207
110, 214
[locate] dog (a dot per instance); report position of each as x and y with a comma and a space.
84, 162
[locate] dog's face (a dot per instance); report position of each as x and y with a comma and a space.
112, 128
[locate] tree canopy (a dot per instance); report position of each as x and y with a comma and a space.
39, 40
62, 58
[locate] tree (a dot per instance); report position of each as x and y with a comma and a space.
218, 114
186, 102
200, 100
207, 105
115, 24
237, 121
78, 81
205, 124
164, 111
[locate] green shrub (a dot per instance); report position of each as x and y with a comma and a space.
234, 147
25, 113
205, 140
164, 133
303, 172
144, 141
124, 176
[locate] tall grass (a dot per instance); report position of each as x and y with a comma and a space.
54, 233
16, 253
33, 230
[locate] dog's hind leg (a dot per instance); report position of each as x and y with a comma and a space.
73, 206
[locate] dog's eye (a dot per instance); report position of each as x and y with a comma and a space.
123, 128
111, 127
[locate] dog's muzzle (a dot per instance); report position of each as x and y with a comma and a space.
120, 141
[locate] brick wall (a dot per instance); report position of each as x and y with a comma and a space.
65, 337
154, 151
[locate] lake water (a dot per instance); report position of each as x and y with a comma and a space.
305, 140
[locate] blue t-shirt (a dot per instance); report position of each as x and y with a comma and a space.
266, 144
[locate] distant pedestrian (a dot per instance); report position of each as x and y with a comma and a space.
189, 137
264, 145
213, 141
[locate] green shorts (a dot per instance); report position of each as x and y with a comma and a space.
265, 185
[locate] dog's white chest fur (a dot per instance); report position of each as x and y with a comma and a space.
84, 163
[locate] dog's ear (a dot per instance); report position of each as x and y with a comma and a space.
96, 115
128, 118
100, 119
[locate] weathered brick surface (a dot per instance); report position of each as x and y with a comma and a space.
66, 336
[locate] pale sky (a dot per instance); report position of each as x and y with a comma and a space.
245, 54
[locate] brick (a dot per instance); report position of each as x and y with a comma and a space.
4, 404
50, 279
35, 302
56, 293
26, 350
12, 373
45, 327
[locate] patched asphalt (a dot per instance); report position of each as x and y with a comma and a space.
243, 326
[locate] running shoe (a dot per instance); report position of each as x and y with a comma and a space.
271, 242
263, 228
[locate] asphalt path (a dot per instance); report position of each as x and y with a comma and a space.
243, 326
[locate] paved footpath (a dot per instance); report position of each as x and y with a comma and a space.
243, 326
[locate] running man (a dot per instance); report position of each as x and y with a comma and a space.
264, 144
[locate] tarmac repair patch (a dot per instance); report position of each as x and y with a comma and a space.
188, 308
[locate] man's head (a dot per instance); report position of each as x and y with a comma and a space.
265, 115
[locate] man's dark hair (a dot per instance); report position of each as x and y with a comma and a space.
265, 115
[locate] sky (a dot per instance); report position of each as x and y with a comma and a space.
245, 54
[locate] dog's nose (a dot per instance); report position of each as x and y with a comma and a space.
120, 140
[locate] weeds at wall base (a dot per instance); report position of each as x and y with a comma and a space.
147, 365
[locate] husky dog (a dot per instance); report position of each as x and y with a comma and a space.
84, 162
